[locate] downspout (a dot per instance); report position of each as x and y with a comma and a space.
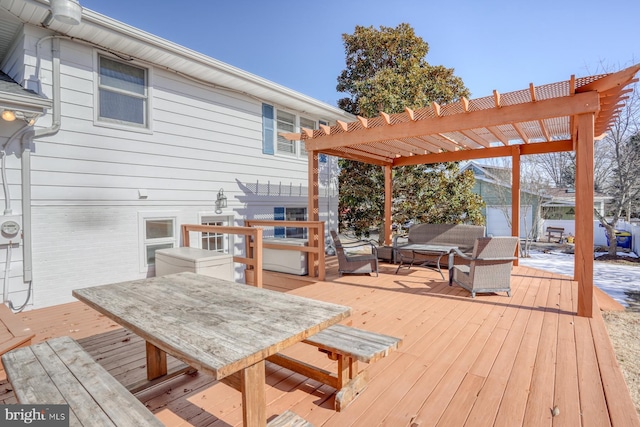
27, 253
27, 139
8, 210
55, 81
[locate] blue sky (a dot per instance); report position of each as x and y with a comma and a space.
500, 44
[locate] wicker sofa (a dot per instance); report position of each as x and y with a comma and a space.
461, 235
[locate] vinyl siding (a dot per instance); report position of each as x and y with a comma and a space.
85, 178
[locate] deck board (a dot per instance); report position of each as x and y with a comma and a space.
489, 361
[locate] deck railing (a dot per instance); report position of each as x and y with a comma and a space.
315, 243
253, 238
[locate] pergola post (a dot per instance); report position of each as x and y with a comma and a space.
313, 212
583, 264
388, 195
515, 195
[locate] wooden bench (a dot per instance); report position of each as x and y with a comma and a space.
347, 345
13, 333
59, 371
555, 231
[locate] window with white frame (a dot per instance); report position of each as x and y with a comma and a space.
215, 241
158, 232
288, 123
122, 93
309, 124
290, 214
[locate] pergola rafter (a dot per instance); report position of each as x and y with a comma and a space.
563, 116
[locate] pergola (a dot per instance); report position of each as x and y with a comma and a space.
563, 116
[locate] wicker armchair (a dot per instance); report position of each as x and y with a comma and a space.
489, 268
355, 264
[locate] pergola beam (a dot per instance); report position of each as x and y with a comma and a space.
545, 109
485, 153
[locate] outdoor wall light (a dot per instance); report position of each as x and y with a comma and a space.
221, 201
8, 115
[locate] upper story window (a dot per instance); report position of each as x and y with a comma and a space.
274, 122
122, 93
309, 124
286, 123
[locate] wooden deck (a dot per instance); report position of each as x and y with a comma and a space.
492, 360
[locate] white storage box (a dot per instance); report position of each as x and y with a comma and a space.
200, 261
285, 261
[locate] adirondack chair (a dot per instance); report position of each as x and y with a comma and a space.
489, 268
355, 264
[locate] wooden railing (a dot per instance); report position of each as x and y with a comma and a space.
315, 243
253, 237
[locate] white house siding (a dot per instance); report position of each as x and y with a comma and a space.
86, 178
14, 66
16, 285
497, 224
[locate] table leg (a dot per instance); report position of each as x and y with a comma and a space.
438, 264
254, 400
156, 362
451, 261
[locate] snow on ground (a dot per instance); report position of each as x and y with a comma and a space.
614, 279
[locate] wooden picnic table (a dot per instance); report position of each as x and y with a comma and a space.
216, 326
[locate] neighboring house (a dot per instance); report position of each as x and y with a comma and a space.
493, 185
553, 206
122, 136
561, 204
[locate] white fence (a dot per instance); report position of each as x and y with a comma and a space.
599, 234
635, 232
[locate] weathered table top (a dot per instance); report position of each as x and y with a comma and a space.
217, 326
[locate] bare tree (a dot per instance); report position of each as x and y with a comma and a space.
560, 168
623, 145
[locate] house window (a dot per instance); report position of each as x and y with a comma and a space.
215, 241
158, 232
309, 124
122, 93
287, 123
290, 214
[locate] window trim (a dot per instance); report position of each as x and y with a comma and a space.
118, 124
229, 243
283, 232
298, 155
143, 242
